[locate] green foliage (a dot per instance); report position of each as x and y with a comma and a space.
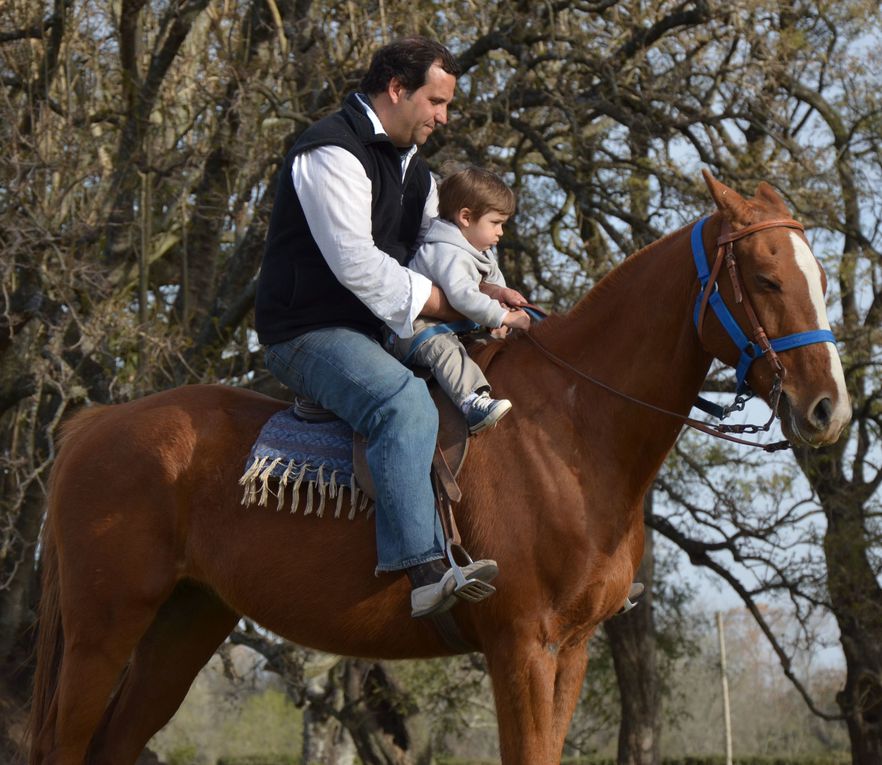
184, 755
224, 719
267, 723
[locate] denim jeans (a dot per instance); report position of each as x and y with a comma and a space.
353, 376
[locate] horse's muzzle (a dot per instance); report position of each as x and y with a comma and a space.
819, 423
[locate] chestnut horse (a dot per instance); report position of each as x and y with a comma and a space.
150, 560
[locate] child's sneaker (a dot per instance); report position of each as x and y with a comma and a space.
485, 411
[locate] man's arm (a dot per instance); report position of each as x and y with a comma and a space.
335, 194
438, 307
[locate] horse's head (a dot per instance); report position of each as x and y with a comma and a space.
783, 285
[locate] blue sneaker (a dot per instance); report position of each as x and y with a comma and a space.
486, 411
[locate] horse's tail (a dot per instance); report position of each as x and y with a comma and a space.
50, 647
50, 636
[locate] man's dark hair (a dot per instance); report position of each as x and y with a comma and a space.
408, 60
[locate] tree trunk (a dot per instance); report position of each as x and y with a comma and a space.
375, 714
632, 635
632, 643
325, 738
855, 598
861, 699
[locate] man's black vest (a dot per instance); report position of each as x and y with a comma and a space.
296, 291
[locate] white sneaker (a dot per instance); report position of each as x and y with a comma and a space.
485, 411
441, 596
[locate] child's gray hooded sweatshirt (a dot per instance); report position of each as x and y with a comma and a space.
447, 258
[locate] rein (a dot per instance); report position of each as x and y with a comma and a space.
709, 295
718, 431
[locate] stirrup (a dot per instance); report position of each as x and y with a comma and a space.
472, 590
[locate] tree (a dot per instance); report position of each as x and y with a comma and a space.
142, 141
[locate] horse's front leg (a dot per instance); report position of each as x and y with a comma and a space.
523, 671
572, 661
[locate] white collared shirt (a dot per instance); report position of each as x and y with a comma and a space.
335, 193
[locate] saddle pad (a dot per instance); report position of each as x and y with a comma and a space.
292, 453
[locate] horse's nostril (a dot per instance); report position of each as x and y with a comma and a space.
822, 413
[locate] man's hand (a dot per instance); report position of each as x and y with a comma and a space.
517, 320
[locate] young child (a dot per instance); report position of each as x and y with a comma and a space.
456, 255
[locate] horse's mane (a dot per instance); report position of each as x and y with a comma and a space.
601, 290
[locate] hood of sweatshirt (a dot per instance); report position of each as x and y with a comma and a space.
444, 231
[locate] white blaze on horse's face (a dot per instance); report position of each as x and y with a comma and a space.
820, 420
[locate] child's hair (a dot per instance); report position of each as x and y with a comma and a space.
478, 189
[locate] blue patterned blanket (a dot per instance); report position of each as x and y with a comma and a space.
313, 459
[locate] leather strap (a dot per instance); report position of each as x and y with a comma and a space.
447, 491
450, 633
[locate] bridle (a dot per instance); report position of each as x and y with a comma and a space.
750, 350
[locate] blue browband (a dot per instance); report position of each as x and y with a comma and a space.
750, 351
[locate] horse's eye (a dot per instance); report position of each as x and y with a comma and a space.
767, 283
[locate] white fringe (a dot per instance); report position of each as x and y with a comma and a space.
264, 479
257, 490
283, 482
295, 500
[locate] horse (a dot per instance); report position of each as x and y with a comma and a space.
150, 561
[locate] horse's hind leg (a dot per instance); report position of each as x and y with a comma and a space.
98, 642
187, 630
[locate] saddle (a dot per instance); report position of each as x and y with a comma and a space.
453, 435
450, 451
452, 446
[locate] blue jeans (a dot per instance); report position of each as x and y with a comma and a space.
353, 376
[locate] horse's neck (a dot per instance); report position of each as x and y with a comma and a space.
634, 332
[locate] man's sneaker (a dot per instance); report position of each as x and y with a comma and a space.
439, 597
635, 592
486, 411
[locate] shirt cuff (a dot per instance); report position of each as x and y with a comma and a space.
420, 289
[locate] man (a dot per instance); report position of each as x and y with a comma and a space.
352, 202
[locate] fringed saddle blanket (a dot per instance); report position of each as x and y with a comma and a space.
292, 453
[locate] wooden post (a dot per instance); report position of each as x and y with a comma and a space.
727, 717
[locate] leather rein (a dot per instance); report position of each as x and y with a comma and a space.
760, 346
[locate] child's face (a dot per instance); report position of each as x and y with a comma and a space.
484, 232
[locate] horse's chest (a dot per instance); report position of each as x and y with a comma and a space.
598, 592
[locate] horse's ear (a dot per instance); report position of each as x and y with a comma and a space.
733, 206
767, 194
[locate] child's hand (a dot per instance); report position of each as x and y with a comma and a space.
512, 298
516, 319
505, 295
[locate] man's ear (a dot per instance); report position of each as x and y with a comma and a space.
395, 90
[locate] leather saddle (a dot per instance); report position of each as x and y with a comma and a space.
452, 445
